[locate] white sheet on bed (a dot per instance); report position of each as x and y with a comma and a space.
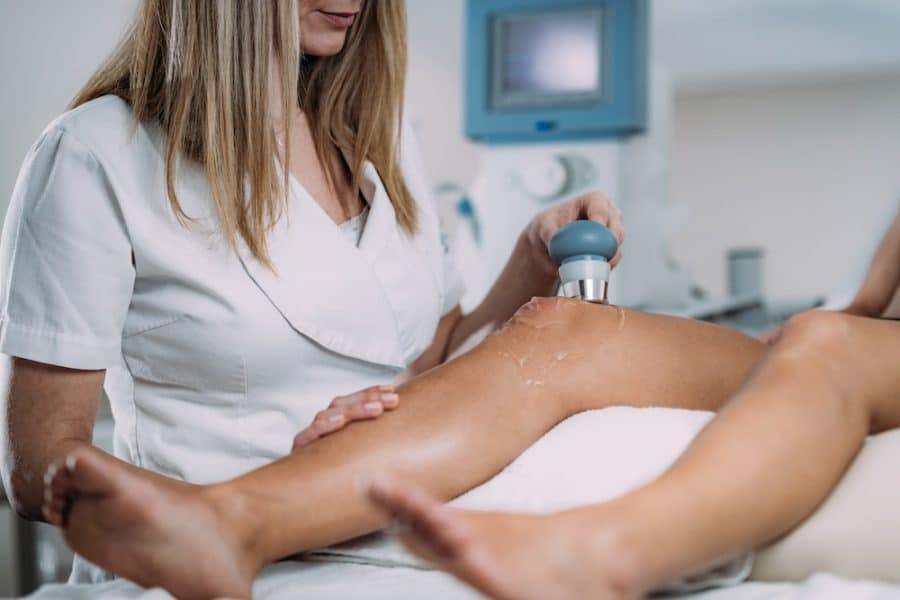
590, 457
337, 581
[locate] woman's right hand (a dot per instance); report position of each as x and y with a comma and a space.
365, 404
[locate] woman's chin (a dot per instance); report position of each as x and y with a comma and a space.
323, 44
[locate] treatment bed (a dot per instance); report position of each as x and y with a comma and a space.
595, 456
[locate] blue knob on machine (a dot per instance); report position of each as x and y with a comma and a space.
583, 250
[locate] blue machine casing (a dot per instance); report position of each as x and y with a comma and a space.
624, 106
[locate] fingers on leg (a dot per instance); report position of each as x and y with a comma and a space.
367, 410
365, 402
327, 421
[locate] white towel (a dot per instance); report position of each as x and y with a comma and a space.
588, 458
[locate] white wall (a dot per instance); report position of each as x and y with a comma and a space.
434, 98
711, 44
809, 173
48, 49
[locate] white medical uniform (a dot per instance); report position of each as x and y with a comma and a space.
214, 362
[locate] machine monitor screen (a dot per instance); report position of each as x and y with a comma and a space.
548, 58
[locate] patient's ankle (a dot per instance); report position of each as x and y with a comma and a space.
606, 544
241, 522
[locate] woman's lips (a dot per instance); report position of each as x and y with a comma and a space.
342, 20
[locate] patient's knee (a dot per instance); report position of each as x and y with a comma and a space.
819, 334
546, 334
558, 314
823, 343
543, 312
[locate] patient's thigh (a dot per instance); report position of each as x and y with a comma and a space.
856, 531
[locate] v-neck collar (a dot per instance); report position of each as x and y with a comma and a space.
381, 219
318, 274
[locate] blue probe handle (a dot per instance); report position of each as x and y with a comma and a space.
582, 238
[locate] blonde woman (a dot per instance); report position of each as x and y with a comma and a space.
229, 228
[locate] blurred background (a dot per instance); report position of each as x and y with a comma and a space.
781, 146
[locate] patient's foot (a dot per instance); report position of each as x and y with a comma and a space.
147, 528
507, 555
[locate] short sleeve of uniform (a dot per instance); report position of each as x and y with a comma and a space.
65, 260
417, 180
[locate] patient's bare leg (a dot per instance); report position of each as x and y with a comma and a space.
762, 466
457, 425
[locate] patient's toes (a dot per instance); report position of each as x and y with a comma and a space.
431, 525
404, 502
55, 502
55, 512
441, 527
448, 533
61, 482
58, 491
51, 516
92, 471
56, 482
424, 510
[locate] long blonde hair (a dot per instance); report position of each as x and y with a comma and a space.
202, 70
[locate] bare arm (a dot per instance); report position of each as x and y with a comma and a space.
882, 278
49, 412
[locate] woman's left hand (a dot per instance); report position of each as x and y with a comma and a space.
369, 403
595, 206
